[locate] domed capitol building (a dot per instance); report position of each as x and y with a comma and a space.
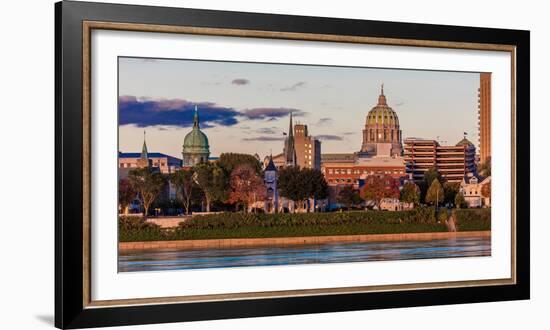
382, 134
381, 150
196, 149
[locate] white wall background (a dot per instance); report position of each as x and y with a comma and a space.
27, 163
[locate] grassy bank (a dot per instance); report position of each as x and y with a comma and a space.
239, 225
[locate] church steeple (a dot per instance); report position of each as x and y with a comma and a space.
144, 153
143, 161
290, 151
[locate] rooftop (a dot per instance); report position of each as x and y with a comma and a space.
149, 154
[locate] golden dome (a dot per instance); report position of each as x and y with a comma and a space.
382, 114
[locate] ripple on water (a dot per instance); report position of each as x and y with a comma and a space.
154, 260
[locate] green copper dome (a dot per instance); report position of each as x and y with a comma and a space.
464, 141
382, 114
196, 142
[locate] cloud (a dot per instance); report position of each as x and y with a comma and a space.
240, 81
329, 137
271, 113
267, 130
144, 112
173, 112
350, 133
324, 122
264, 139
398, 104
293, 87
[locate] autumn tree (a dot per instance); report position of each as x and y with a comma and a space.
486, 190
410, 193
126, 194
246, 185
485, 167
230, 161
435, 194
348, 197
185, 187
213, 182
378, 187
148, 183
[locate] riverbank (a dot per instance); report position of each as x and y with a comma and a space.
266, 226
278, 241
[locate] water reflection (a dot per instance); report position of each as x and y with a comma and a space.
167, 259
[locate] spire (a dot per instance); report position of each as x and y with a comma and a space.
290, 128
144, 153
382, 97
270, 165
290, 151
196, 118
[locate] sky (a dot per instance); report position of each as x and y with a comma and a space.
244, 107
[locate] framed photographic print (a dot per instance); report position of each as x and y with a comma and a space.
214, 164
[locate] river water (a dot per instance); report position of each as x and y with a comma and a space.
170, 259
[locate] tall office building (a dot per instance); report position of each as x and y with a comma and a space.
484, 116
452, 162
308, 149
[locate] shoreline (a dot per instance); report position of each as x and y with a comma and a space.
283, 241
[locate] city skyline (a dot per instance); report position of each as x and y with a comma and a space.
244, 107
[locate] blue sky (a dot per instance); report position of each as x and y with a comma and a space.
244, 107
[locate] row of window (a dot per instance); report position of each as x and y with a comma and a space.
364, 171
128, 165
355, 181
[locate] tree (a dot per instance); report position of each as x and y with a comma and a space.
185, 186
213, 182
378, 187
349, 197
410, 193
486, 191
460, 202
450, 189
230, 161
246, 185
148, 184
430, 175
435, 194
315, 183
485, 167
126, 194
290, 185
300, 185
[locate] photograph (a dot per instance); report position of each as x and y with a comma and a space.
239, 164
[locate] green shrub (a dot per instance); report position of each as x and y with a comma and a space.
473, 219
131, 229
249, 225
237, 220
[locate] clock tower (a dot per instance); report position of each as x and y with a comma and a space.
270, 181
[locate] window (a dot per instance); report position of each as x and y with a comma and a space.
349, 171
330, 171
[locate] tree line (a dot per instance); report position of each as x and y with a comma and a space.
432, 190
234, 180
